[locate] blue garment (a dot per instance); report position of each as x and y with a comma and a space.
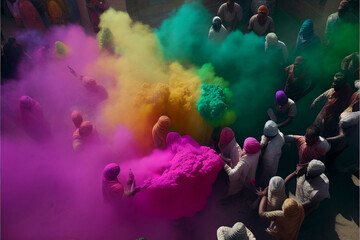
307, 41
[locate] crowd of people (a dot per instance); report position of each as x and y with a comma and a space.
252, 167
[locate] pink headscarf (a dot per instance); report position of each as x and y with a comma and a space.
226, 136
76, 118
85, 129
251, 145
111, 171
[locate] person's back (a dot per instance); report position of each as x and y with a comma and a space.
287, 222
313, 186
218, 36
271, 156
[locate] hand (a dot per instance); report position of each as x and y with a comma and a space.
261, 192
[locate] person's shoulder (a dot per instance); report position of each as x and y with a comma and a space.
237, 7
324, 178
332, 17
223, 6
253, 18
291, 102
270, 20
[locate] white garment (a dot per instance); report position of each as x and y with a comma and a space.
280, 46
252, 161
237, 176
218, 36
315, 189
233, 151
272, 154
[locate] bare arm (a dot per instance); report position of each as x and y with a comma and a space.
285, 123
324, 95
262, 207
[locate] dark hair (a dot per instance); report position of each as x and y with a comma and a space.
312, 132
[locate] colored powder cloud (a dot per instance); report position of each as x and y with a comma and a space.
148, 86
240, 60
183, 188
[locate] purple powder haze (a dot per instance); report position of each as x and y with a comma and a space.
48, 191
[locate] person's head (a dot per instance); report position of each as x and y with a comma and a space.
164, 123
226, 136
276, 185
89, 83
299, 65
263, 13
292, 209
111, 171
216, 23
251, 145
271, 129
343, 8
26, 103
238, 231
85, 129
312, 135
315, 168
271, 39
76, 118
281, 98
11, 40
307, 29
230, 4
339, 81
173, 140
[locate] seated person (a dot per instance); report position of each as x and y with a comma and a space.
261, 23
285, 108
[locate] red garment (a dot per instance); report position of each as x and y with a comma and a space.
330, 113
354, 102
308, 153
295, 86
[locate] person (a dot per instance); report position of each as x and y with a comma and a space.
311, 146
243, 173
84, 133
271, 143
77, 118
337, 97
297, 83
175, 142
230, 14
312, 187
95, 9
33, 119
308, 43
350, 67
270, 4
334, 22
275, 193
261, 24
229, 148
90, 84
285, 109
238, 231
217, 32
112, 189
272, 44
160, 130
286, 222
13, 53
